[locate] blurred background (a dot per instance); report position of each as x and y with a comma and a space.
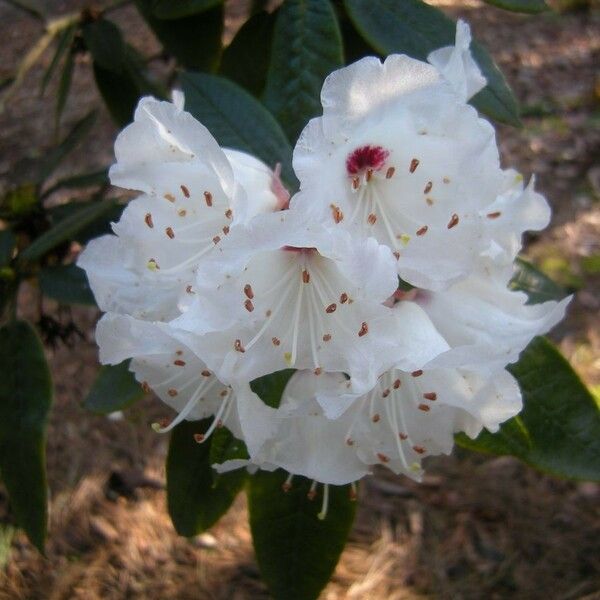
476, 527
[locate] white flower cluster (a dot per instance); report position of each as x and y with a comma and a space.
383, 281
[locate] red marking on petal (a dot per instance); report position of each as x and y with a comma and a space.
366, 157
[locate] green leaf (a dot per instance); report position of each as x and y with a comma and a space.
64, 86
106, 44
67, 284
296, 551
521, 6
196, 499
7, 533
415, 28
7, 246
175, 9
64, 43
195, 41
67, 228
237, 120
246, 59
539, 287
21, 200
25, 399
53, 158
307, 46
269, 388
558, 431
115, 389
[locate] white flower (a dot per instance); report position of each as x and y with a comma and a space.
404, 418
193, 194
169, 368
399, 155
285, 292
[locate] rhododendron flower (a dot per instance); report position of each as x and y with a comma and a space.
194, 192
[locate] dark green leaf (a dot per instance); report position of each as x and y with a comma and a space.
296, 551
307, 46
63, 44
415, 28
237, 120
67, 284
539, 287
106, 45
195, 41
67, 228
53, 158
25, 399
175, 9
246, 59
269, 388
7, 246
119, 92
558, 431
196, 499
23, 199
115, 389
522, 6
225, 446
64, 86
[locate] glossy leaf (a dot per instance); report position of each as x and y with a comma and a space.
246, 59
296, 550
237, 120
558, 431
196, 498
195, 41
67, 284
415, 28
169, 9
269, 388
25, 399
521, 6
115, 388
307, 46
539, 287
67, 228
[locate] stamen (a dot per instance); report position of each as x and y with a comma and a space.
383, 458
185, 191
216, 239
372, 219
169, 197
209, 201
249, 291
276, 341
331, 308
343, 298
364, 329
422, 231
148, 220
336, 213
414, 163
249, 306
172, 392
170, 233
286, 486
182, 212
179, 363
494, 215
390, 172
312, 493
199, 438
453, 221
397, 384
327, 337
428, 187
305, 276
228, 213
417, 373
146, 387
419, 449
237, 346
206, 373
430, 396
321, 516
353, 492
376, 417
424, 407
225, 230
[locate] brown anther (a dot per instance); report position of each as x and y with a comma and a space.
223, 393
305, 276
343, 298
350, 442
312, 494
453, 221
355, 183
327, 337
276, 341
352, 494
169, 197
199, 438
226, 230
172, 392
228, 213
286, 487
153, 264
417, 373
179, 352
248, 305
219, 422
397, 384
318, 371
268, 313
248, 291
424, 407
493, 215
185, 191
208, 199
182, 212
179, 363
205, 373
430, 396
423, 230
237, 346
336, 213
331, 308
385, 393
403, 436
216, 239
390, 172
428, 187
419, 449
364, 329
369, 174
146, 387
429, 201
170, 233
397, 255
164, 422
375, 418
189, 289
383, 458
414, 163
372, 219
148, 220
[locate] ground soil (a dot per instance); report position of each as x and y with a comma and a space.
477, 527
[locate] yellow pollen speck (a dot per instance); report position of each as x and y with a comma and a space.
152, 265
405, 238
287, 356
415, 467
518, 177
